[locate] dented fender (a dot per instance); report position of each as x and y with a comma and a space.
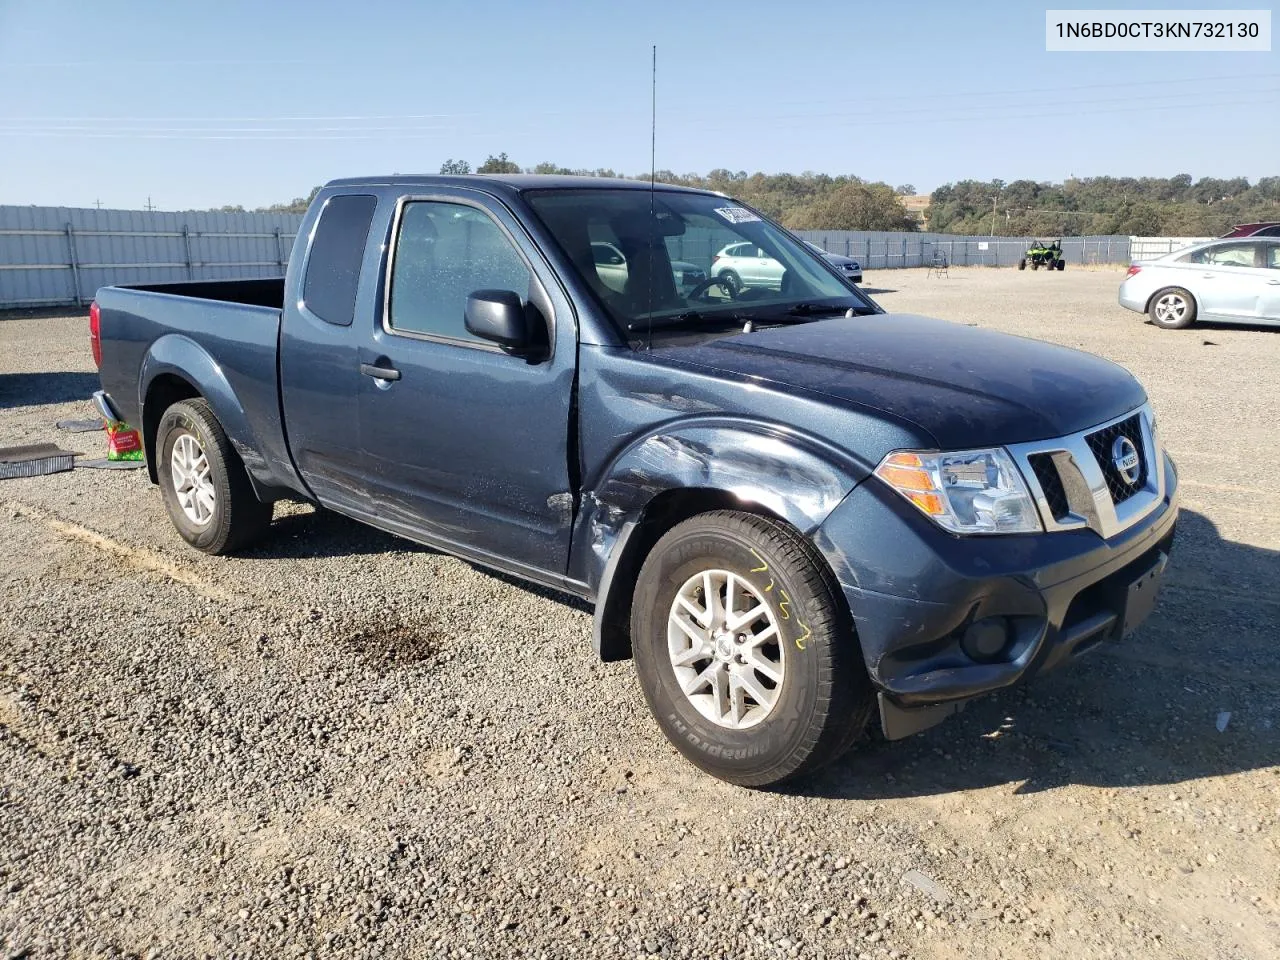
760, 465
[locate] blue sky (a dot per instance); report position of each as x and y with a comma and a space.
200, 104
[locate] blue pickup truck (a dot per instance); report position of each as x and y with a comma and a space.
798, 514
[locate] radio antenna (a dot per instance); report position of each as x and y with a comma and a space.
653, 176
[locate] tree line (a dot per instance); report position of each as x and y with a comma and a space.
1140, 206
1143, 206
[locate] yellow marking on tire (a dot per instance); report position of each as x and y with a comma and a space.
763, 568
783, 604
800, 641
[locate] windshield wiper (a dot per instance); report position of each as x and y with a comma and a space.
689, 316
809, 309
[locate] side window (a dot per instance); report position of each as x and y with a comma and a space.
333, 267
444, 253
1273, 256
1231, 255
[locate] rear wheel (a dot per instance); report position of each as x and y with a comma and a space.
732, 282
1035, 264
1022, 264
1172, 309
205, 487
1061, 265
745, 650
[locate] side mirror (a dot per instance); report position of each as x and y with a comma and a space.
499, 316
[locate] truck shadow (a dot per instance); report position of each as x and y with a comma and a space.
1196, 693
34, 389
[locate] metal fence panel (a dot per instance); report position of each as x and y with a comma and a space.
884, 251
59, 255
1149, 248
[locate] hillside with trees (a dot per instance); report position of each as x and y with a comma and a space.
1145, 206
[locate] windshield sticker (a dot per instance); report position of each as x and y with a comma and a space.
737, 214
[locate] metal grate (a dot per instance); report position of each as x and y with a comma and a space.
1101, 443
1051, 483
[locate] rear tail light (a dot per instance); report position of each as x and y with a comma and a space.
1133, 271
715, 258
95, 333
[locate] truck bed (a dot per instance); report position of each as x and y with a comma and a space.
223, 332
268, 292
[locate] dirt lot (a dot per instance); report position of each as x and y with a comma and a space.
341, 744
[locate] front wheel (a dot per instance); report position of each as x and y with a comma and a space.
1172, 309
731, 282
745, 650
205, 487
1022, 264
1060, 265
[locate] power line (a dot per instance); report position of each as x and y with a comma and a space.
360, 118
704, 125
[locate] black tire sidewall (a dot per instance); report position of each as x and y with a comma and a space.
180, 419
738, 755
733, 280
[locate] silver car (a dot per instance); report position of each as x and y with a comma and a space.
1226, 281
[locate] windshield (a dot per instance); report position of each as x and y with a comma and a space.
674, 258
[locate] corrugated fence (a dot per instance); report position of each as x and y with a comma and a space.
60, 255
882, 251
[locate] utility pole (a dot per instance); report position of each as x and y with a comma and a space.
98, 204
150, 206
994, 201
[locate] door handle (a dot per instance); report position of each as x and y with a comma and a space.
1208, 276
379, 373
1273, 283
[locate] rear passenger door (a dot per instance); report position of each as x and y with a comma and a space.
468, 446
320, 380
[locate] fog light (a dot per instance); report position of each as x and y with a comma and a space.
987, 640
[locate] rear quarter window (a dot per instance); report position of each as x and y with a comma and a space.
337, 249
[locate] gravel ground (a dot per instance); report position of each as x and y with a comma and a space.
341, 744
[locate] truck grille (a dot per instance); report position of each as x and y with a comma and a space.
1055, 494
1101, 443
1077, 485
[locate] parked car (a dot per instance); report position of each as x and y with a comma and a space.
1226, 281
747, 265
743, 265
793, 510
848, 266
1253, 230
611, 268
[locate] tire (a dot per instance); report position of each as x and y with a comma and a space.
1035, 264
820, 698
216, 510
733, 280
1022, 264
1061, 265
1172, 308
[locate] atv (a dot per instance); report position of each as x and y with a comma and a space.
1047, 255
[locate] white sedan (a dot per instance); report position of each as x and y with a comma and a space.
1226, 281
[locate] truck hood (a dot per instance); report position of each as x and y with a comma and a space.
965, 386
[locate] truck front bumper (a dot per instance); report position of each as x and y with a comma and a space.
921, 596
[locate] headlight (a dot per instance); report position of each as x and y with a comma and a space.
971, 491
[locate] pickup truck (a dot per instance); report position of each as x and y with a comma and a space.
801, 516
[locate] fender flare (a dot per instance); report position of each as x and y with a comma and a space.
687, 466
177, 355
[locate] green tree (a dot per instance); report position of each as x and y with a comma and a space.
499, 164
456, 166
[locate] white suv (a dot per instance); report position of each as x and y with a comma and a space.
746, 265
